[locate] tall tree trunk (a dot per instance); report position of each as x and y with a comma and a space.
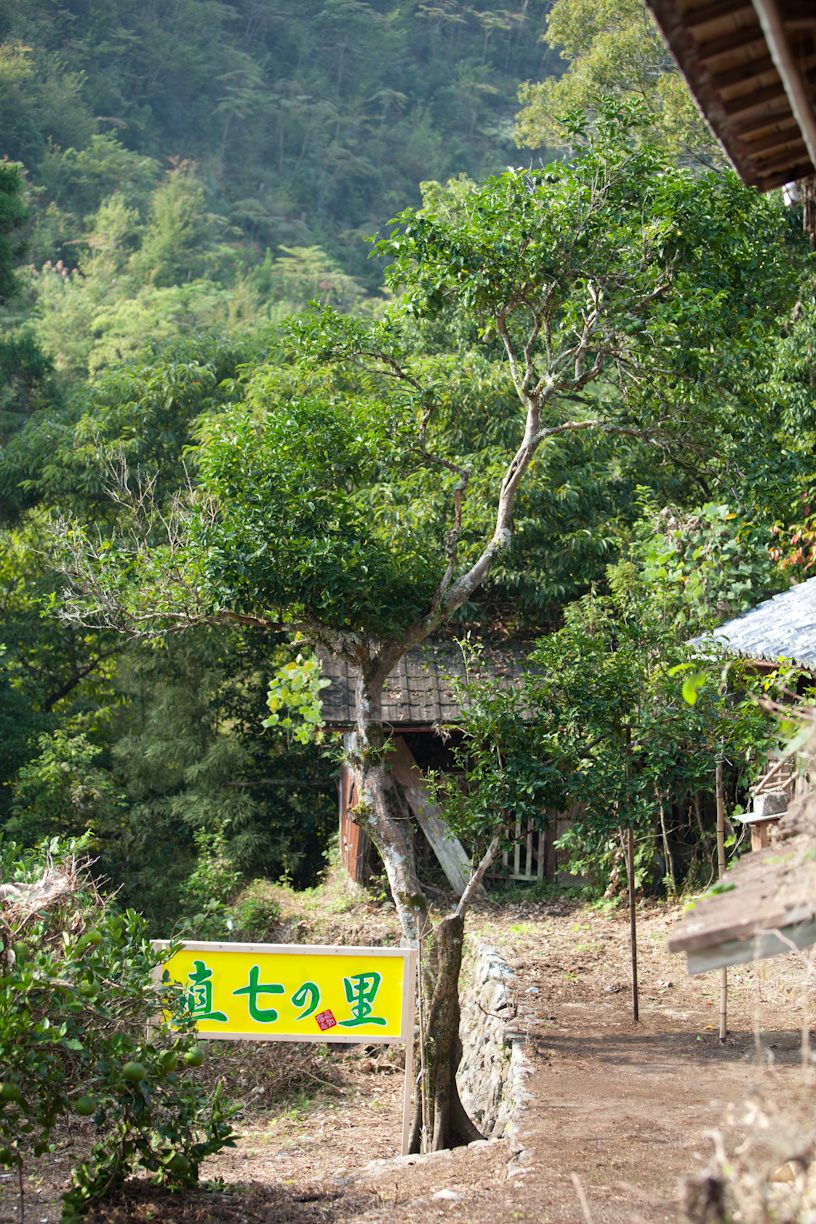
449, 1125
376, 813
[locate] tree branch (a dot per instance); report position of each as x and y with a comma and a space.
477, 877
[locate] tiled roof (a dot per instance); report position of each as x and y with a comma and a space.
780, 628
419, 691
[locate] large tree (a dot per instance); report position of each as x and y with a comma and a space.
620, 297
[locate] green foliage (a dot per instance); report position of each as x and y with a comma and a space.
613, 47
79, 181
296, 690
142, 412
293, 532
256, 913
310, 124
708, 565
618, 221
13, 213
26, 382
40, 97
602, 724
19, 726
76, 993
174, 731
179, 233
500, 779
62, 792
208, 890
190, 757
614, 716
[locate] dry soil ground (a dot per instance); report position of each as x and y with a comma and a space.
618, 1112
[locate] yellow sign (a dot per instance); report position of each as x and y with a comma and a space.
293, 992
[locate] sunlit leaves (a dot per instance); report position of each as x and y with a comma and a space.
292, 530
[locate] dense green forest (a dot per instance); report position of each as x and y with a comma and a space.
193, 173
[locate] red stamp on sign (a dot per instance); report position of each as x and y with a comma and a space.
326, 1020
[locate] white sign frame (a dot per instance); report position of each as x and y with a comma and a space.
405, 1037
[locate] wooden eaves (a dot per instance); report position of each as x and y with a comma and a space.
770, 905
751, 65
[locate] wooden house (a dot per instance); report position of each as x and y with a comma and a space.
420, 711
751, 65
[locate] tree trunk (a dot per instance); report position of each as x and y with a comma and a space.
449, 1126
377, 812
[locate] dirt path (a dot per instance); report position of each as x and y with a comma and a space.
622, 1108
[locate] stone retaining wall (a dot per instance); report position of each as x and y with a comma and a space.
493, 1072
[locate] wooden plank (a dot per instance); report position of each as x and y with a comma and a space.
742, 918
352, 837
757, 947
754, 100
749, 70
697, 18
449, 851
727, 44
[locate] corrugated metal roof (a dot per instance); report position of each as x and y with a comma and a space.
780, 628
419, 691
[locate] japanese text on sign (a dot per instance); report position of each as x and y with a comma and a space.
292, 992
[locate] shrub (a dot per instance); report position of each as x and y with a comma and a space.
209, 888
256, 912
84, 1030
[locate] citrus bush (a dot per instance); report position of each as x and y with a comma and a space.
83, 1032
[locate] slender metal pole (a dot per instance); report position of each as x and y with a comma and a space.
630, 866
720, 789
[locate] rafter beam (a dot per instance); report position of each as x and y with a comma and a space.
773, 28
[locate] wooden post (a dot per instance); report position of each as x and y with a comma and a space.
630, 871
408, 1095
720, 789
630, 867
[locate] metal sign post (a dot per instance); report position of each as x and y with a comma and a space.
298, 992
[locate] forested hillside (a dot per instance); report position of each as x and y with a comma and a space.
194, 172
303, 123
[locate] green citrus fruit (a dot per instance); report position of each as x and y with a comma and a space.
85, 1106
6, 1156
194, 1057
179, 1164
134, 1072
169, 1060
10, 1092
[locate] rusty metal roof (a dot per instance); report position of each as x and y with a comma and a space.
754, 82
780, 628
420, 691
